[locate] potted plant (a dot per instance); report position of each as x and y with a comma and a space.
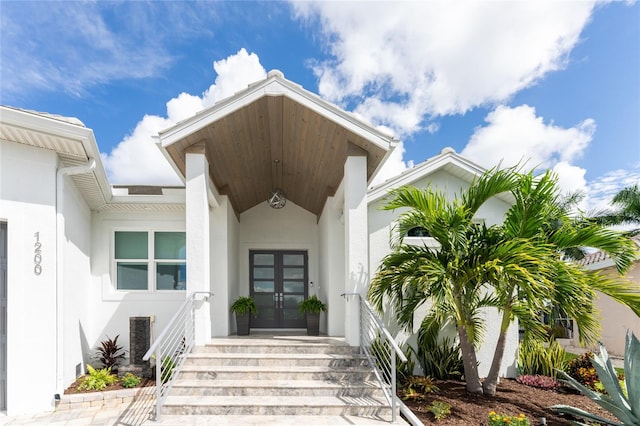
312, 308
244, 306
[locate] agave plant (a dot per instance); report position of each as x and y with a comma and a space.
625, 407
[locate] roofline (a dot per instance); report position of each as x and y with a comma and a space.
48, 124
57, 127
268, 87
446, 156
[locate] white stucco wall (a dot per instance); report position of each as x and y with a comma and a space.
27, 204
224, 269
289, 228
380, 228
110, 308
331, 271
76, 273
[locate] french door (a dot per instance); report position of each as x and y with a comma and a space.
278, 280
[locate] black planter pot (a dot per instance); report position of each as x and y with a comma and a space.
313, 324
242, 322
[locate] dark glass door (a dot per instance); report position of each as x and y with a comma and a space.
278, 284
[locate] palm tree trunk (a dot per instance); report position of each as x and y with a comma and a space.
491, 382
470, 361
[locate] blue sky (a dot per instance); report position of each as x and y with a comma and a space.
554, 83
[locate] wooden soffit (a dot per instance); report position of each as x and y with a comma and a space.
276, 142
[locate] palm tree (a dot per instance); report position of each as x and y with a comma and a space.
520, 260
541, 217
627, 202
452, 276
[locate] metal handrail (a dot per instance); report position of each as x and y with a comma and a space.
171, 347
381, 350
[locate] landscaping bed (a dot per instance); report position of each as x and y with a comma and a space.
512, 398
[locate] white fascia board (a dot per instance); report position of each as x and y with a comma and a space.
606, 263
275, 86
423, 170
167, 157
392, 147
41, 123
59, 128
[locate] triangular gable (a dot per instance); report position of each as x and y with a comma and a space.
275, 134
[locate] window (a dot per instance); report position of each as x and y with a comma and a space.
418, 231
162, 253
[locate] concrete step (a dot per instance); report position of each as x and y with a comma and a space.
273, 405
275, 388
322, 373
275, 359
266, 346
270, 378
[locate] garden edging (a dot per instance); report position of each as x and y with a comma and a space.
102, 399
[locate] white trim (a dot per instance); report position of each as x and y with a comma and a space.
447, 158
109, 282
276, 86
605, 263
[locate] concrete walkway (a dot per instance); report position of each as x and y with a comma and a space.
138, 413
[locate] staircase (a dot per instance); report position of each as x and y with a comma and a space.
262, 379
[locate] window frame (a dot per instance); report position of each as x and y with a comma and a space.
151, 262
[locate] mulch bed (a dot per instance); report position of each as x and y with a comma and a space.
73, 388
512, 398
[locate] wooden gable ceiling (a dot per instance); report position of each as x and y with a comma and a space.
275, 142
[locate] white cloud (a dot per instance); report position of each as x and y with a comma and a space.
570, 178
517, 135
393, 166
602, 189
136, 159
399, 62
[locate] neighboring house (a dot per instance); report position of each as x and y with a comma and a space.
78, 256
615, 318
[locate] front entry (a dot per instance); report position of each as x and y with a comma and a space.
278, 284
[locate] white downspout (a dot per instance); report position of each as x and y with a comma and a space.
60, 232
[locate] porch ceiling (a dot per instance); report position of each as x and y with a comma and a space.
276, 142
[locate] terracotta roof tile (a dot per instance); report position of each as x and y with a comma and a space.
599, 255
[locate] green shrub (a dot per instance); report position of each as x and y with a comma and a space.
439, 409
404, 369
536, 359
417, 387
97, 379
166, 370
130, 380
439, 358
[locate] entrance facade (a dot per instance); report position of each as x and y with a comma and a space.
278, 283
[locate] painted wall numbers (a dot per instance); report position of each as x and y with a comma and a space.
37, 255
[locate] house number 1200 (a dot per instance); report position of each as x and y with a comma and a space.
37, 255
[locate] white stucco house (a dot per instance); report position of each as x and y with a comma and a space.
79, 256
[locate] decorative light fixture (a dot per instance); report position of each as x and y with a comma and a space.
277, 199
